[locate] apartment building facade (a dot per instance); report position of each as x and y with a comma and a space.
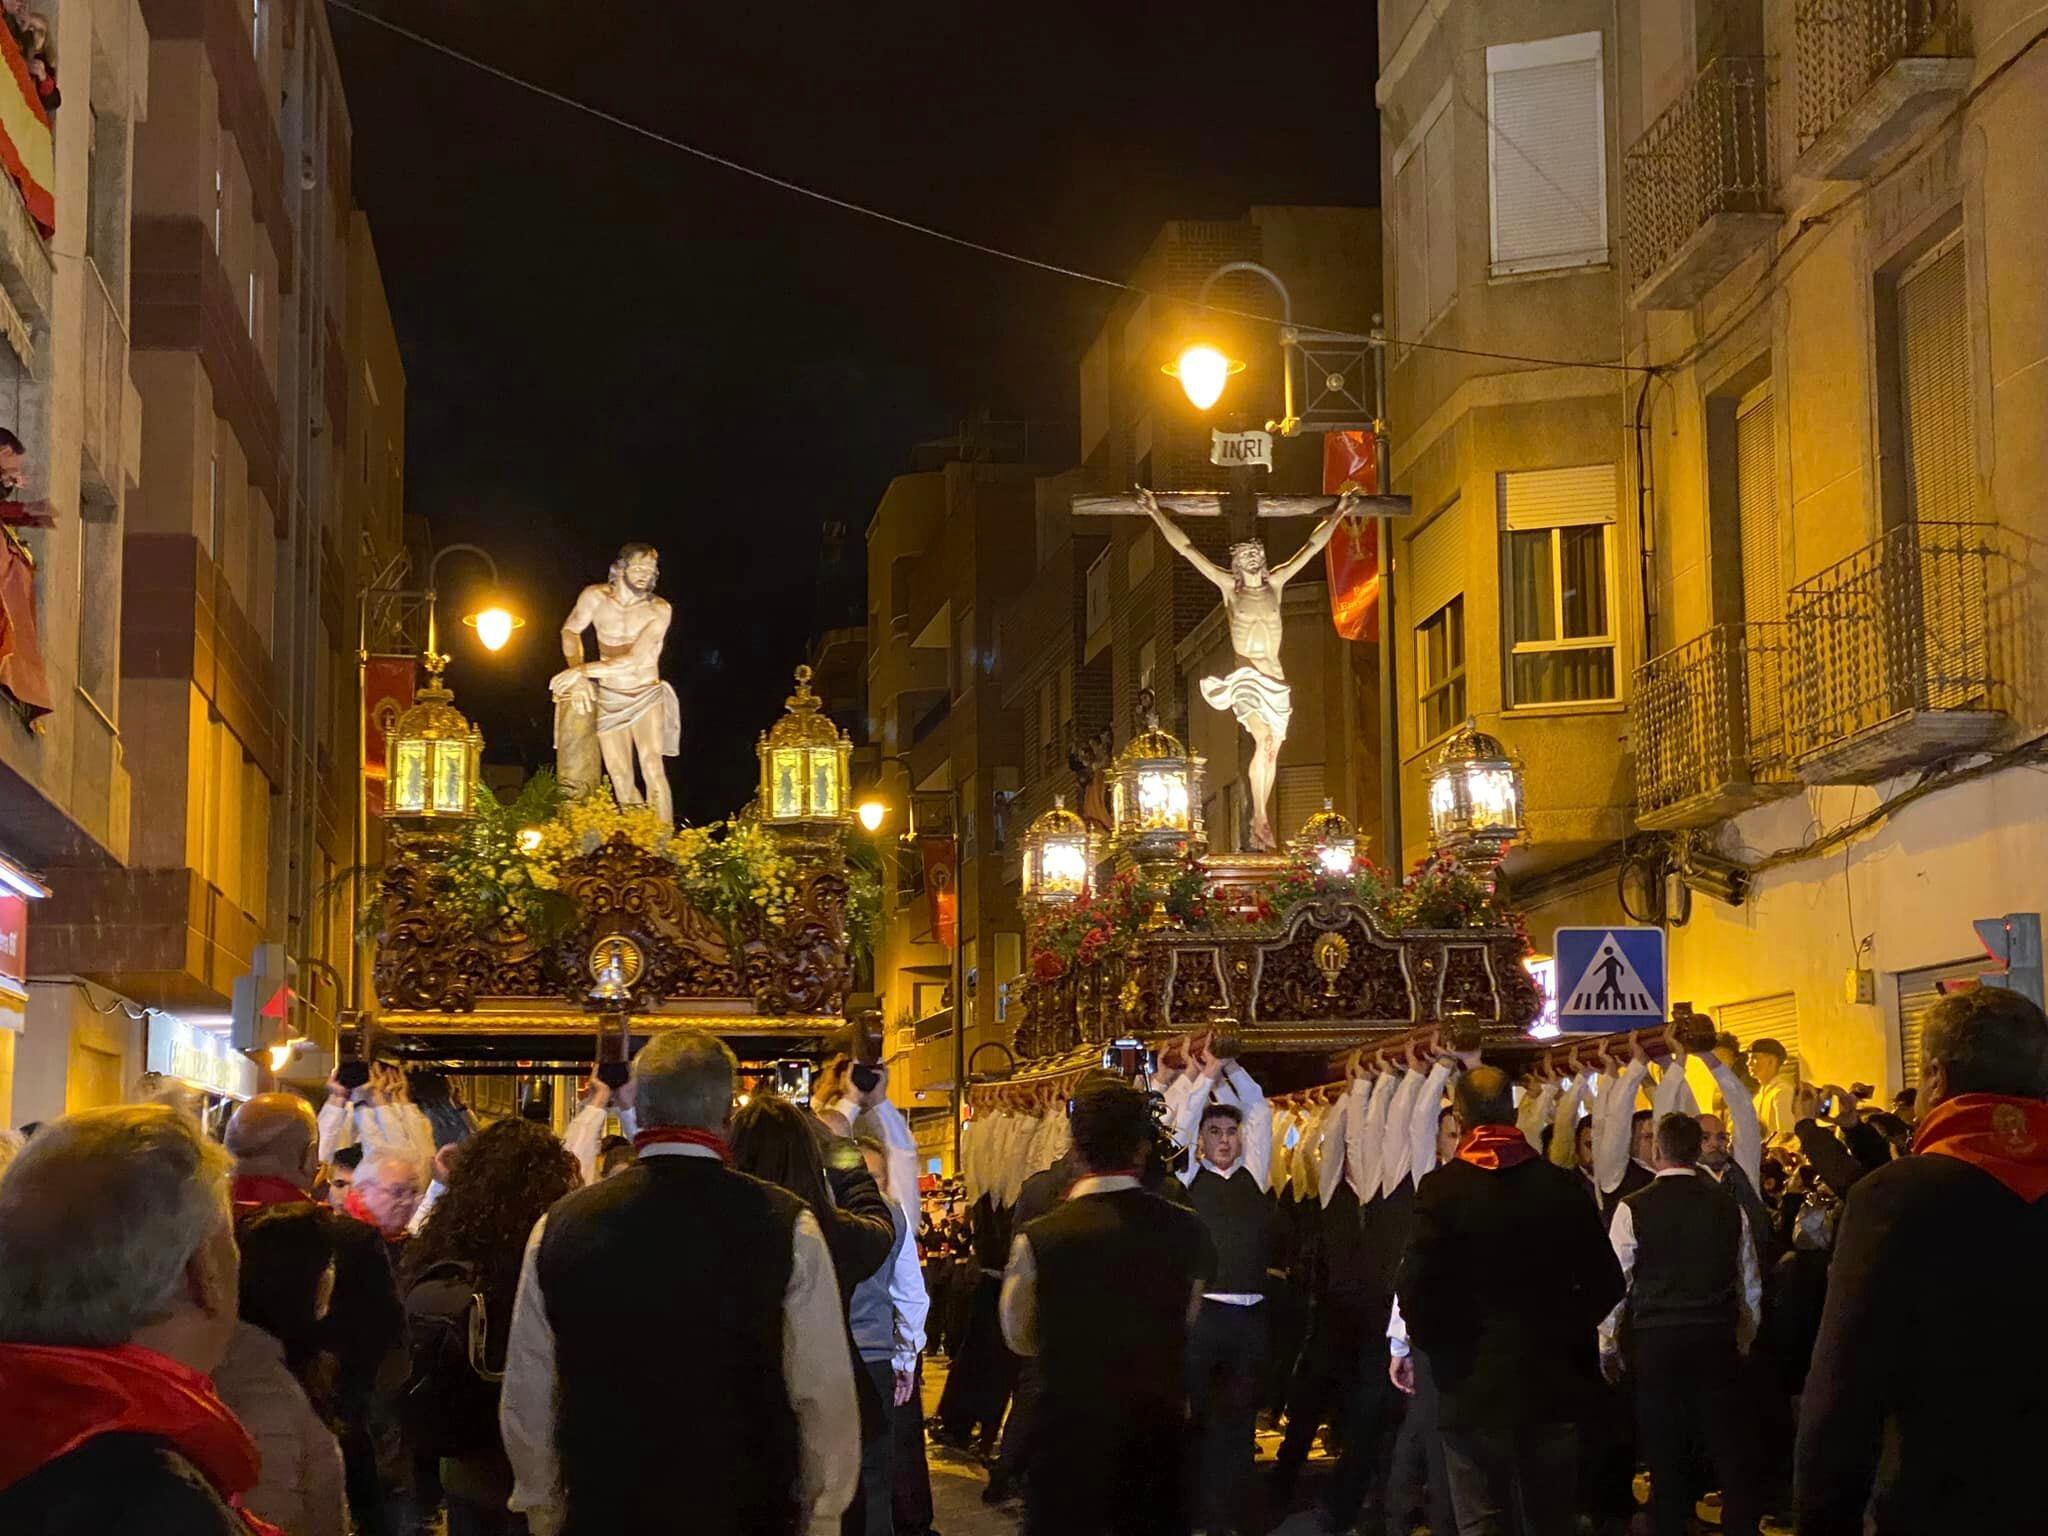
65, 392
245, 542
944, 551
1714, 379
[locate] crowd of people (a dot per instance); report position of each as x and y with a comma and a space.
1504, 1305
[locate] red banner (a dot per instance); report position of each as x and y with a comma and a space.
942, 887
1352, 561
387, 694
1351, 462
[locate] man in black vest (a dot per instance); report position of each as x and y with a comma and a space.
1506, 1278
678, 1359
1227, 1346
1100, 1292
1929, 1388
1693, 1304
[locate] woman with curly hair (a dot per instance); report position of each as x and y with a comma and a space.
468, 1256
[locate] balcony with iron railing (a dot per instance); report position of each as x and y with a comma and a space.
1699, 186
1707, 725
1870, 71
1896, 657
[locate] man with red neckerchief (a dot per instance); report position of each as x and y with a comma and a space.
1930, 1349
118, 1279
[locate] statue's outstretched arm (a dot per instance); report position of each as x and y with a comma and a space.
1175, 537
1324, 531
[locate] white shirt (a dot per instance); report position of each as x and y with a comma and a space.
1614, 1120
1395, 1146
907, 1295
1362, 1154
816, 1369
1422, 1119
1622, 1233
1397, 1333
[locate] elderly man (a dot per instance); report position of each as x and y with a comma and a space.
727, 1411
1926, 1401
118, 1281
387, 1190
275, 1140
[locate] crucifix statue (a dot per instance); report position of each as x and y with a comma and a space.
1256, 690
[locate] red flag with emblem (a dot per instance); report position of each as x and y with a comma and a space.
939, 881
387, 694
1352, 558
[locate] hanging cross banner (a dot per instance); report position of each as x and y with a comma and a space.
1610, 979
1253, 448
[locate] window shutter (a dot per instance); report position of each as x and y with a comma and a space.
1777, 1017
1546, 142
1934, 348
1436, 562
1555, 498
1756, 503
1919, 991
1298, 793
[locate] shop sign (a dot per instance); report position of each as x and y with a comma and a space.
198, 1057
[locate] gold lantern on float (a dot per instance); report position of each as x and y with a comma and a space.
1060, 854
1327, 841
1155, 799
803, 768
1475, 801
432, 752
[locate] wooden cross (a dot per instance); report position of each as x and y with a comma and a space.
1222, 503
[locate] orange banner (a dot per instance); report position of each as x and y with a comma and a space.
1352, 562
1351, 462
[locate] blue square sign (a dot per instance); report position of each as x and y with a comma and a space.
1609, 979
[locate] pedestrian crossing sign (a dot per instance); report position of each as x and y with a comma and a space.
1609, 978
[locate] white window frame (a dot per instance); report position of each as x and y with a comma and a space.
1506, 58
1610, 641
1427, 687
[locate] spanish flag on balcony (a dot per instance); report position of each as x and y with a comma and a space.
27, 148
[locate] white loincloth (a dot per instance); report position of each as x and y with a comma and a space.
619, 709
1251, 695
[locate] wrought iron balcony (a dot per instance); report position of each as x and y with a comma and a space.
1707, 725
1699, 185
1893, 661
1869, 72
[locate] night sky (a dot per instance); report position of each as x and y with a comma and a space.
607, 339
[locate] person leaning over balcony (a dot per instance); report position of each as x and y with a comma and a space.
118, 1295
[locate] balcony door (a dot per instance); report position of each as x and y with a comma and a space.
1763, 581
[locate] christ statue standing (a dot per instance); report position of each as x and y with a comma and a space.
621, 693
1256, 692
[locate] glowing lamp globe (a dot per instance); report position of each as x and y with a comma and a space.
872, 814
494, 626
1327, 841
1203, 370
803, 765
1060, 854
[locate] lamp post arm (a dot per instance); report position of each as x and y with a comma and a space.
433, 593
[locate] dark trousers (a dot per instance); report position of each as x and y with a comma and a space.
1368, 1410
470, 1517
873, 1511
909, 1471
1323, 1385
1106, 1468
1689, 1395
1512, 1479
1226, 1356
1417, 1479
1016, 1452
982, 1371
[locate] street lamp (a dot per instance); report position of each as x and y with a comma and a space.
803, 768
494, 626
1203, 370
430, 788
1475, 802
872, 812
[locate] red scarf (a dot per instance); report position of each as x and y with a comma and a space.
352, 1204
1494, 1147
2006, 1137
254, 1191
53, 1399
682, 1135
